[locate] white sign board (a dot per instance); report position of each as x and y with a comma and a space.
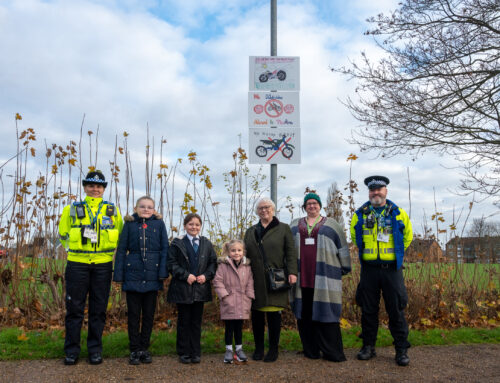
274, 73
274, 146
280, 109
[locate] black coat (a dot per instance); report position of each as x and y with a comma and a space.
178, 264
141, 256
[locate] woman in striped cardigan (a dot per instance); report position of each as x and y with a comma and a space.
323, 257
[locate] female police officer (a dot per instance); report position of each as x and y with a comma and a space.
89, 231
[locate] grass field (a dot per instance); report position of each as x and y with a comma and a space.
16, 344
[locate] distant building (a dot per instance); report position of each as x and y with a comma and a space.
474, 249
424, 250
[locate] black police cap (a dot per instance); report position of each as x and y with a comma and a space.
95, 177
375, 182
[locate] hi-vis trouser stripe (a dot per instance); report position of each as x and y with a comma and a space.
91, 251
370, 231
384, 251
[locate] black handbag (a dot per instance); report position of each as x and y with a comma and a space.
277, 278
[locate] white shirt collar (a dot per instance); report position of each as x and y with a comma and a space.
191, 238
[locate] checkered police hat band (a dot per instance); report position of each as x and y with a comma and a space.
95, 179
376, 183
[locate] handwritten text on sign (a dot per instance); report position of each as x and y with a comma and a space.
280, 109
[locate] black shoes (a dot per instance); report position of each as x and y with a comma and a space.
366, 353
137, 357
312, 356
134, 358
95, 358
186, 359
402, 358
272, 355
258, 354
71, 359
145, 357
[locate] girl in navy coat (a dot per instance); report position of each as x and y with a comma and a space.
141, 264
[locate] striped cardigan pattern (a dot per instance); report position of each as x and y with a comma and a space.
332, 261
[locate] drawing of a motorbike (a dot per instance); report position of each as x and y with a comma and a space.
287, 150
268, 75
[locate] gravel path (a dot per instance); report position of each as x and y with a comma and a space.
463, 363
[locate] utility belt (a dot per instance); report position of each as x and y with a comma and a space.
378, 265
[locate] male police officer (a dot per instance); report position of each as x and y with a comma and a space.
382, 231
89, 231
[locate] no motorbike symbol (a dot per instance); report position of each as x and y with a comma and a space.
274, 146
273, 108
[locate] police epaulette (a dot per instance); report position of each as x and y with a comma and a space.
108, 203
365, 209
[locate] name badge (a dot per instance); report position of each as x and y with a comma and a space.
91, 234
106, 220
309, 241
383, 237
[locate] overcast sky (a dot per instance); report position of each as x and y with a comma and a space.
181, 67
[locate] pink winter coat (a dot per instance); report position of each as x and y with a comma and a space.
234, 287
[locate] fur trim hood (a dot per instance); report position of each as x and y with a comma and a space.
135, 217
227, 260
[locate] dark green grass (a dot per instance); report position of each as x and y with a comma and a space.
49, 344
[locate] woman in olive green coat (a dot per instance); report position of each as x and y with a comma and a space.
279, 249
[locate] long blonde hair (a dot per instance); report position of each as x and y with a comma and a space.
227, 246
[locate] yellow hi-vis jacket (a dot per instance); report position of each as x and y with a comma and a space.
101, 216
397, 227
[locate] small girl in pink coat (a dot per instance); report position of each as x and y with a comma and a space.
233, 284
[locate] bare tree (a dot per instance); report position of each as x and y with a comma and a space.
480, 227
436, 88
334, 202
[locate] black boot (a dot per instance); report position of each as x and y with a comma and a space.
274, 326
258, 324
367, 352
402, 358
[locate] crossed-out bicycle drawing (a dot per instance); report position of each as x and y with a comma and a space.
278, 144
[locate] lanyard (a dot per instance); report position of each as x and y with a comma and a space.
379, 216
311, 228
93, 219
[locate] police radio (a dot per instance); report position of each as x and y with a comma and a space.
110, 210
370, 221
80, 211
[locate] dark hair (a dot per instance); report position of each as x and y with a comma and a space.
190, 216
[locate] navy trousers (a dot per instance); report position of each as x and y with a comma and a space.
93, 280
386, 279
189, 329
141, 311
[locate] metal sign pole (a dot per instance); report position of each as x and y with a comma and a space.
274, 52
